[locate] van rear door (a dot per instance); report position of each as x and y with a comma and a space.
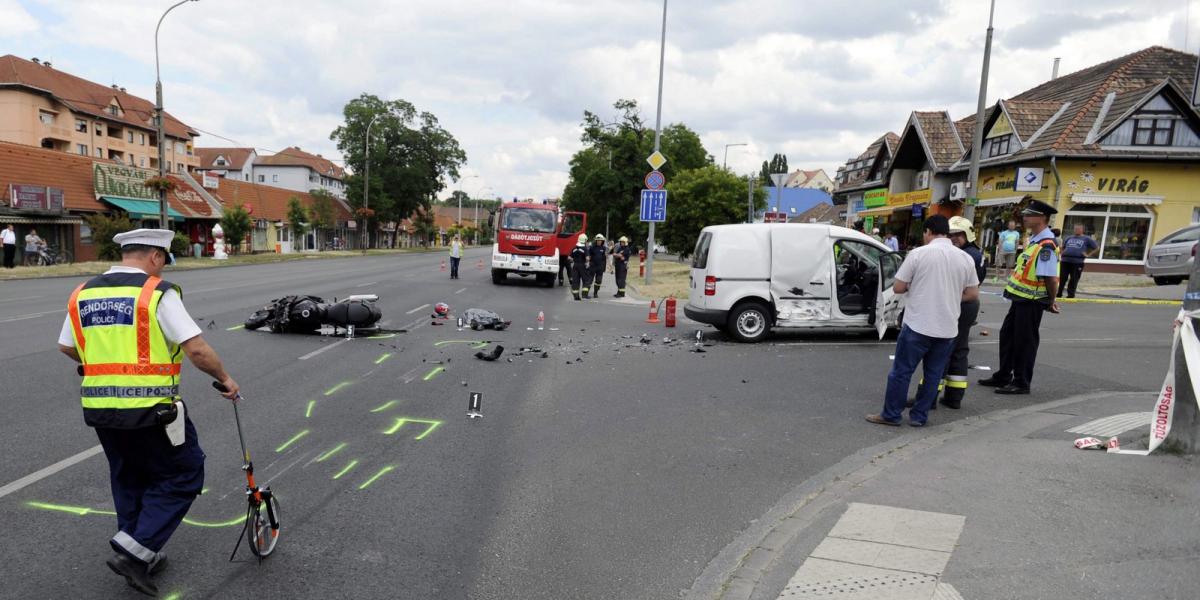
801, 268
696, 295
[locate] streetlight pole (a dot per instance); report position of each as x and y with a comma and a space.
727, 147
977, 139
750, 198
158, 117
662, 55
366, 181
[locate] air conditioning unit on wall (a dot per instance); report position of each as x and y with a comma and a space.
922, 182
958, 191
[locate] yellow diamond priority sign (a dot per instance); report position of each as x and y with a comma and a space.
656, 160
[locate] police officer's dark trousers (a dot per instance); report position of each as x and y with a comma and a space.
1019, 339
153, 485
956, 369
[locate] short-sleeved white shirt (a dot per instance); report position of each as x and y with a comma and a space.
8, 237
936, 273
176, 324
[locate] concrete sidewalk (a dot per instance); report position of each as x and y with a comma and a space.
999, 506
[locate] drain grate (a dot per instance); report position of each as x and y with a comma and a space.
871, 587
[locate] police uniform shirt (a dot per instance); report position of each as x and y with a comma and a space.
176, 324
1047, 259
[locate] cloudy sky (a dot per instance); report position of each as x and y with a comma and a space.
815, 79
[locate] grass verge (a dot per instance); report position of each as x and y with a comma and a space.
670, 278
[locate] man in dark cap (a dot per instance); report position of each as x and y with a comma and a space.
1031, 291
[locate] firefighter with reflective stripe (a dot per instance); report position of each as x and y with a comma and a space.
597, 260
129, 330
621, 253
1031, 291
962, 235
578, 266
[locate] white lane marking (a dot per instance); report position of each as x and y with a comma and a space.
416, 309
366, 284
21, 298
41, 474
1110, 426
32, 315
320, 350
461, 291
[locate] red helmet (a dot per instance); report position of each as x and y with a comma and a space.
441, 308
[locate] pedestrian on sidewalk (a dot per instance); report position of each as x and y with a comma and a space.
33, 247
891, 242
620, 255
937, 278
1031, 290
456, 248
9, 238
1076, 250
1006, 250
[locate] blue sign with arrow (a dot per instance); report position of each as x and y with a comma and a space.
654, 206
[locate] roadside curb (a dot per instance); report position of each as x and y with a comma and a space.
1119, 300
735, 572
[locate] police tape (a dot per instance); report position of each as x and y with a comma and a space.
1164, 404
1134, 301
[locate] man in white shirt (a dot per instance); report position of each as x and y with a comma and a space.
9, 238
938, 278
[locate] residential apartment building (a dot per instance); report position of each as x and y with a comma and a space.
44, 107
859, 184
295, 169
810, 180
235, 163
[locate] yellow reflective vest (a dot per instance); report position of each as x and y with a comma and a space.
129, 368
1024, 282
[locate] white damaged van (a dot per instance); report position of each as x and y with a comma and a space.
748, 279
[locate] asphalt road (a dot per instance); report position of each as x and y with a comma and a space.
609, 469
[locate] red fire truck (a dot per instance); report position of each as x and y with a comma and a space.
533, 238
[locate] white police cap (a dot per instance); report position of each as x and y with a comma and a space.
159, 238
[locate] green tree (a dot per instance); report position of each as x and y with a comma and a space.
778, 164
424, 224
297, 217
104, 228
411, 155
322, 213
236, 224
701, 197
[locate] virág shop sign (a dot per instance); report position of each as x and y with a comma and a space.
127, 182
35, 197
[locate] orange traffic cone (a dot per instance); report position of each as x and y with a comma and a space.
653, 318
443, 264
479, 265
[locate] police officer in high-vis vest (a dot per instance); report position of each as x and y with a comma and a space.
130, 331
1031, 291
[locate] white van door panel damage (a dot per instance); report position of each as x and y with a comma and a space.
802, 268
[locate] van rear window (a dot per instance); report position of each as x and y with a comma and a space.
700, 256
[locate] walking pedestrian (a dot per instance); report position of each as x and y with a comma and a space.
578, 266
1031, 290
9, 238
1006, 249
937, 278
621, 253
456, 248
597, 260
130, 331
891, 242
33, 247
1076, 250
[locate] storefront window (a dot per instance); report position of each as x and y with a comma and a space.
1122, 231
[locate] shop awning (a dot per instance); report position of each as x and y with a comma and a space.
1112, 199
39, 220
882, 211
999, 201
141, 209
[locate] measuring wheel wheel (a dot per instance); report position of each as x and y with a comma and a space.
264, 527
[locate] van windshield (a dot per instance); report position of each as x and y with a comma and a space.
539, 220
700, 256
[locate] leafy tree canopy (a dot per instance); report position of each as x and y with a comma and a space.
701, 197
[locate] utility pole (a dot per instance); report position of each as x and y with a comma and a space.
662, 55
727, 147
158, 118
977, 139
366, 180
750, 179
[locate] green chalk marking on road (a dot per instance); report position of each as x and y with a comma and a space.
430, 426
175, 596
480, 345
235, 328
80, 511
376, 476
384, 406
308, 411
381, 336
433, 373
331, 452
445, 342
386, 355
216, 524
331, 391
346, 469
291, 441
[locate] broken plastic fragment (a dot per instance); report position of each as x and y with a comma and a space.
490, 356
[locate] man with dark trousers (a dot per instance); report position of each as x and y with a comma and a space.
962, 235
597, 260
1031, 291
578, 265
621, 253
1075, 251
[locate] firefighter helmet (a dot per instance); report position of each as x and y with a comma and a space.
963, 226
599, 238
623, 240
582, 240
441, 308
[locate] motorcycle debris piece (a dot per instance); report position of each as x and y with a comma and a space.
478, 318
490, 356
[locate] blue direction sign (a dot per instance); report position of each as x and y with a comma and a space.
655, 180
654, 206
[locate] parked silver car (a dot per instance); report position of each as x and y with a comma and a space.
1170, 260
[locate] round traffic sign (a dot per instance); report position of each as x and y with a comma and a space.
655, 180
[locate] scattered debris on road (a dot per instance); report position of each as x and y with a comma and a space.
490, 356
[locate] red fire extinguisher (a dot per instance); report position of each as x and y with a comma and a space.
641, 263
670, 310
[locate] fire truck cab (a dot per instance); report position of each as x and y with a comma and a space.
533, 238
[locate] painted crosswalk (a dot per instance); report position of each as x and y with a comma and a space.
1113, 425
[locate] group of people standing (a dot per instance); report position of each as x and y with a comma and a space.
34, 244
587, 263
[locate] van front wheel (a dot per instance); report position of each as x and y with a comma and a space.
749, 322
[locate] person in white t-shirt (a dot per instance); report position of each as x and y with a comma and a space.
937, 278
9, 239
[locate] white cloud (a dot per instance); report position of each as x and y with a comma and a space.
15, 20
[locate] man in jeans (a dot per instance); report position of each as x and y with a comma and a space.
937, 277
1075, 250
1006, 249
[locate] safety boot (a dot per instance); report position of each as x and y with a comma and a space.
576, 295
134, 572
585, 294
595, 291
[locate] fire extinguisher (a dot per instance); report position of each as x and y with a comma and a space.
670, 309
641, 263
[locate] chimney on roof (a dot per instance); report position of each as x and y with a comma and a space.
46, 63
1054, 73
36, 61
114, 86
122, 89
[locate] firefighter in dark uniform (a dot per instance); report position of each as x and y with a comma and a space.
621, 253
130, 331
962, 234
597, 261
1031, 290
578, 265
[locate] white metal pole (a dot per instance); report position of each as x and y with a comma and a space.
158, 117
977, 139
662, 54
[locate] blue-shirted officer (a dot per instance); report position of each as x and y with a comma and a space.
129, 330
1031, 291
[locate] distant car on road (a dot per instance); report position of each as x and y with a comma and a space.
1170, 260
660, 249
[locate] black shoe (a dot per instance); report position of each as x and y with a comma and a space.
1012, 390
954, 404
994, 382
134, 573
159, 564
913, 402
577, 298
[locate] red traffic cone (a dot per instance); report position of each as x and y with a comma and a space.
479, 265
443, 264
541, 320
653, 318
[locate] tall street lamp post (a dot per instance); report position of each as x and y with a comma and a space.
158, 118
662, 55
727, 147
977, 140
366, 183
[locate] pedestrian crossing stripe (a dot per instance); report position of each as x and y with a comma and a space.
1113, 425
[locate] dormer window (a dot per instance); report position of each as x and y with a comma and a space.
114, 110
220, 162
1156, 124
1150, 129
999, 146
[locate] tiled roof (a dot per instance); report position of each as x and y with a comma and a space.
941, 137
36, 166
266, 201
871, 153
185, 200
85, 96
295, 157
966, 130
235, 157
821, 213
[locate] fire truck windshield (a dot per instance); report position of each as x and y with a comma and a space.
529, 219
